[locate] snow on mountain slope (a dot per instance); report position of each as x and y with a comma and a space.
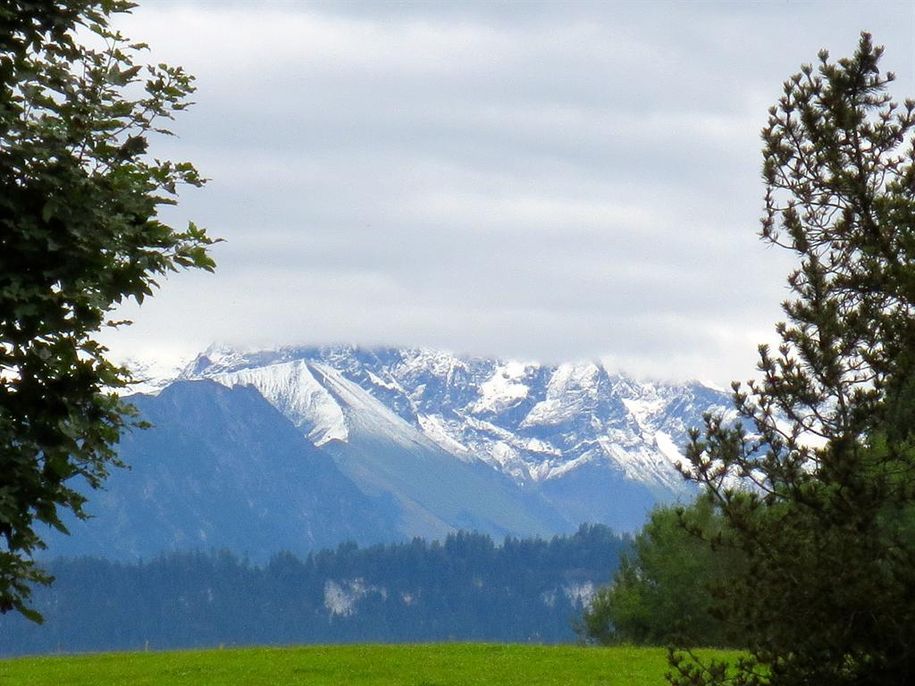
504, 389
367, 414
292, 388
534, 423
150, 376
408, 463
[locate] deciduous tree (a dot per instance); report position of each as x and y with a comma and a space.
80, 232
660, 593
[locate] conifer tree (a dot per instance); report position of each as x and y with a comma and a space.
817, 486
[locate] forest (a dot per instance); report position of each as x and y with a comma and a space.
463, 588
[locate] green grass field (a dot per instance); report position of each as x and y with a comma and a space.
410, 665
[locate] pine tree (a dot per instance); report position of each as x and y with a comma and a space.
817, 485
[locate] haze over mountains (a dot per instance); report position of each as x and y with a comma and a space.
300, 448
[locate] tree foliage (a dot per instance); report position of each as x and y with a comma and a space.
660, 594
79, 234
818, 492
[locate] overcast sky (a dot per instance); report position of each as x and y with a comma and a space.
547, 181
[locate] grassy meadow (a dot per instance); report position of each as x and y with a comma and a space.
409, 665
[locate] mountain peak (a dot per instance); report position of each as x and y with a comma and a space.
529, 421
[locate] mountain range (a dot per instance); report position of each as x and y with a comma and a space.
302, 447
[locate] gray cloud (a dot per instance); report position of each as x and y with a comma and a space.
546, 180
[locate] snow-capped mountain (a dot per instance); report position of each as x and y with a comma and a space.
302, 448
595, 445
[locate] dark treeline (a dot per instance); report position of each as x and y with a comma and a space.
465, 588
